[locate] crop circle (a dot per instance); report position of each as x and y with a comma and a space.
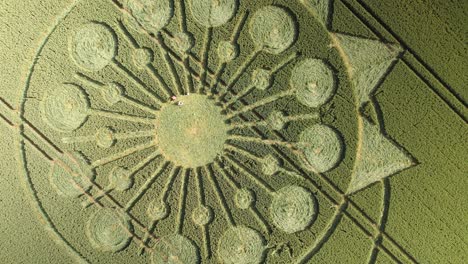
209, 13
157, 210
93, 46
151, 15
244, 198
313, 81
322, 147
65, 108
202, 215
293, 209
175, 249
108, 230
191, 135
241, 245
272, 29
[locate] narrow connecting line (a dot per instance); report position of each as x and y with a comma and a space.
122, 116
383, 220
173, 173
240, 71
248, 89
163, 48
233, 40
262, 102
236, 187
182, 201
201, 201
132, 172
121, 155
146, 186
205, 57
219, 195
119, 67
130, 101
159, 80
323, 238
189, 86
266, 123
263, 141
115, 136
243, 169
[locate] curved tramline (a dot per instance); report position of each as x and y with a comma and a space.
204, 131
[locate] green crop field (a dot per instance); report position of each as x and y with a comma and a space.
233, 131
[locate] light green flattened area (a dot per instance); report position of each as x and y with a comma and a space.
65, 108
193, 133
108, 230
293, 209
233, 131
379, 158
175, 249
369, 59
241, 245
151, 15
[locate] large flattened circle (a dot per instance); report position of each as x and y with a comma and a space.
192, 134
174, 249
241, 245
108, 230
150, 15
65, 108
209, 13
293, 209
93, 46
273, 29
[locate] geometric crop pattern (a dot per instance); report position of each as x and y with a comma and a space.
204, 131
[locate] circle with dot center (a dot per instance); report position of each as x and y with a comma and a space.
191, 134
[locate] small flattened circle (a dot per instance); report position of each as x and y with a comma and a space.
157, 210
183, 41
276, 120
293, 209
120, 179
213, 13
262, 79
93, 46
322, 147
112, 93
273, 29
142, 57
244, 198
270, 165
202, 215
105, 138
108, 230
227, 51
65, 108
72, 176
151, 15
241, 245
174, 249
314, 82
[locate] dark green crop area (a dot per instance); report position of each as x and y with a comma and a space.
233, 131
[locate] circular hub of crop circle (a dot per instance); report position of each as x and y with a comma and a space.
191, 132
